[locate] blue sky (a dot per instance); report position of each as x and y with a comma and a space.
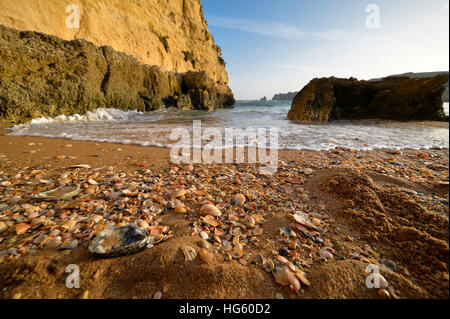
275, 46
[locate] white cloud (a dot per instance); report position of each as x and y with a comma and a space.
275, 29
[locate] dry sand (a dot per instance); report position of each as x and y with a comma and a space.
381, 207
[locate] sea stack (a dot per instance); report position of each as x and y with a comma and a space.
393, 98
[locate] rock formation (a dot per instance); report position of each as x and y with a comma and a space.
445, 95
393, 98
284, 96
171, 34
43, 75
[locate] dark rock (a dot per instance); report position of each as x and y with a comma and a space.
284, 96
393, 98
43, 75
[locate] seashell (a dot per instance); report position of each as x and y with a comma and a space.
55, 232
117, 241
180, 210
94, 218
22, 228
14, 200
282, 274
252, 206
227, 247
303, 219
3, 226
68, 225
179, 193
53, 242
5, 183
69, 244
157, 295
210, 220
282, 259
293, 245
268, 265
204, 235
239, 199
295, 284
257, 232
189, 253
204, 244
238, 252
206, 256
209, 209
324, 253
143, 224
227, 257
384, 294
302, 277
66, 192
81, 166
157, 239
92, 182
39, 239
175, 203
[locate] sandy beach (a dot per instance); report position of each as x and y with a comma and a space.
323, 216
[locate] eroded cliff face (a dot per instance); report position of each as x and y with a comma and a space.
171, 34
393, 98
43, 75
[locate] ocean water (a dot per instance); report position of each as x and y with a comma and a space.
154, 128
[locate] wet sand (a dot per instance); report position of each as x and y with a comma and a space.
387, 208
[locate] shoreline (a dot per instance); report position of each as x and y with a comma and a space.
360, 198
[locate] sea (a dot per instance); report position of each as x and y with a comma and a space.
155, 129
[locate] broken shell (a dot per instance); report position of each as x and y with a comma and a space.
204, 235
204, 244
281, 274
302, 277
117, 241
22, 228
282, 260
257, 232
268, 265
180, 210
239, 199
324, 253
238, 252
295, 284
66, 192
209, 209
143, 224
68, 225
189, 253
81, 166
206, 256
210, 220
179, 193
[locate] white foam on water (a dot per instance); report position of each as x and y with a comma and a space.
154, 128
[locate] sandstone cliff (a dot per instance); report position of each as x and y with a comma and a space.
393, 98
171, 34
43, 75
